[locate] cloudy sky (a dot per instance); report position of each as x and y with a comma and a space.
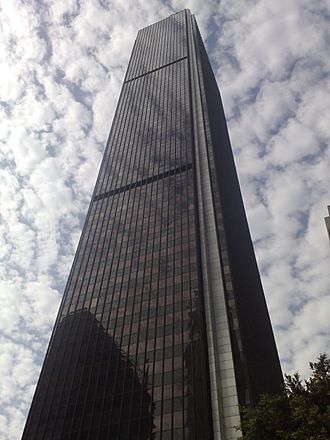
61, 68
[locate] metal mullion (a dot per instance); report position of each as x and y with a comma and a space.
127, 149
167, 136
196, 209
137, 66
78, 328
157, 61
203, 335
167, 41
112, 177
112, 154
90, 250
106, 203
184, 196
128, 196
142, 51
178, 37
111, 223
183, 35
162, 188
142, 157
153, 134
89, 336
177, 33
183, 93
115, 164
132, 170
177, 157
203, 330
122, 199
172, 142
122, 105
118, 198
53, 335
117, 117
130, 225
107, 254
147, 55
113, 232
124, 142
150, 283
111, 304
132, 95
169, 72
92, 205
173, 37
113, 146
175, 124
161, 129
183, 184
130, 192
132, 60
159, 58
102, 248
154, 39
76, 269
153, 86
148, 101
154, 190
76, 282
132, 154
81, 281
175, 177
146, 38
137, 240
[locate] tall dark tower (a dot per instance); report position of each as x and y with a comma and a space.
163, 329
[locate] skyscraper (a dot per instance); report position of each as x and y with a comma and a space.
163, 329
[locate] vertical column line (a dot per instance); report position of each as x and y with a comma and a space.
221, 367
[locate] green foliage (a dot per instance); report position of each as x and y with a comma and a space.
301, 412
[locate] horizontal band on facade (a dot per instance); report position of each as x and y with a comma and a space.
155, 70
142, 182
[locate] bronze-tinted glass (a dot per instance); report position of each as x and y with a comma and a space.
127, 359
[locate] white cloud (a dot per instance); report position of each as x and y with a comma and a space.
293, 143
274, 73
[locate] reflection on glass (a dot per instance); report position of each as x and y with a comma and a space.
128, 359
90, 387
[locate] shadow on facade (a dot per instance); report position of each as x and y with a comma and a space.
89, 388
196, 382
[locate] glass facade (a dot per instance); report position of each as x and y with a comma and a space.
127, 357
129, 354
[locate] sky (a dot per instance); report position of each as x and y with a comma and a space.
62, 64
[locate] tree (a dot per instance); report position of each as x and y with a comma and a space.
300, 412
